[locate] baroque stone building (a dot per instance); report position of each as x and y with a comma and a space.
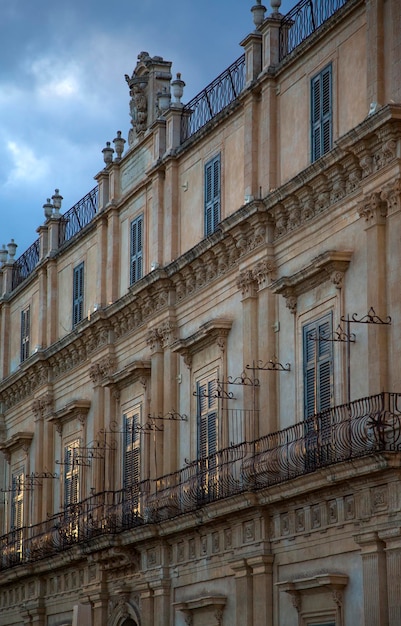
199, 361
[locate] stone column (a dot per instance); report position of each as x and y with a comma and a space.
170, 233
375, 52
391, 193
4, 339
97, 372
374, 210
170, 427
52, 302
243, 594
252, 45
156, 461
42, 330
162, 602
103, 182
262, 576
251, 147
99, 602
101, 262
156, 225
147, 613
267, 346
113, 249
248, 285
374, 580
392, 537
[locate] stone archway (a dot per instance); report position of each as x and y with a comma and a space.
129, 622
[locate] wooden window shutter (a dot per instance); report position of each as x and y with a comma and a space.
78, 294
136, 251
212, 195
321, 113
318, 366
132, 457
25, 333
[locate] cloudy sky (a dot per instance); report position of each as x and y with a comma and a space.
63, 93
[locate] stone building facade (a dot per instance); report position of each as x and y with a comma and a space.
200, 397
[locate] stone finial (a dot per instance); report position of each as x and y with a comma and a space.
108, 152
119, 145
275, 5
177, 89
12, 248
258, 11
48, 208
57, 200
3, 254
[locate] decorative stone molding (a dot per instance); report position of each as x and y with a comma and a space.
391, 193
330, 265
77, 409
136, 370
332, 583
373, 209
213, 605
18, 441
43, 406
102, 369
247, 283
212, 332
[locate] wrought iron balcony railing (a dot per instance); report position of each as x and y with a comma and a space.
78, 216
25, 264
359, 429
303, 20
221, 92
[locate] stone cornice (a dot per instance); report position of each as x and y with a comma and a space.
21, 440
213, 331
330, 265
131, 372
77, 409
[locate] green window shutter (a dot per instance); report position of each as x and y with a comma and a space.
17, 501
136, 250
207, 417
318, 366
78, 294
71, 473
212, 195
132, 455
321, 113
25, 333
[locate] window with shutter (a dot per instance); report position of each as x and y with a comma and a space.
78, 294
212, 195
71, 473
131, 461
25, 333
136, 250
17, 514
207, 433
321, 113
318, 366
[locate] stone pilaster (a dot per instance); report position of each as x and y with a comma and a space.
375, 49
262, 577
113, 247
154, 340
243, 593
392, 538
374, 579
52, 302
248, 286
374, 211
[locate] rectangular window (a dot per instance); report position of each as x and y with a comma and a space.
71, 473
25, 333
212, 195
321, 113
132, 453
318, 365
207, 434
17, 515
78, 294
136, 250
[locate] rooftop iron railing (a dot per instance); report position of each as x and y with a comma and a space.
362, 428
25, 264
221, 92
303, 20
74, 220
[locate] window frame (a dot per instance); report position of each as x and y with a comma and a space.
207, 434
318, 365
212, 195
136, 249
25, 333
321, 99
78, 293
